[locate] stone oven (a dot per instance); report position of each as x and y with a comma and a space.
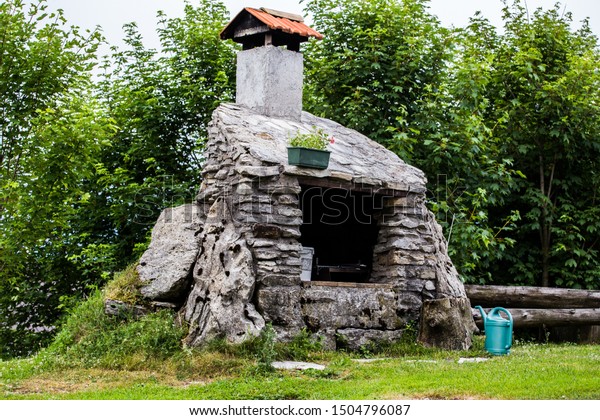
350, 253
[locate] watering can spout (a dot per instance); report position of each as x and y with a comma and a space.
483, 315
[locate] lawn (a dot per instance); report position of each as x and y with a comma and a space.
532, 371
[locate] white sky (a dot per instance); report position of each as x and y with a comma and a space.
112, 14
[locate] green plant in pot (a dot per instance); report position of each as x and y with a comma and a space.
308, 149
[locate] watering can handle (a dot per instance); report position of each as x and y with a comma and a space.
499, 309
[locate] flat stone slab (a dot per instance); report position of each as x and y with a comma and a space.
353, 156
297, 365
472, 360
369, 360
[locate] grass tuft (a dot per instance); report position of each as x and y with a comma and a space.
125, 286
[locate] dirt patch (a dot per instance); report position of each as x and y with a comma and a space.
70, 381
435, 395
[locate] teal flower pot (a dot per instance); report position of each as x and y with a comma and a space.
309, 158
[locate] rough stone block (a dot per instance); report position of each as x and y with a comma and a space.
266, 254
343, 176
409, 304
289, 212
417, 272
165, 268
411, 285
281, 305
244, 189
289, 247
291, 232
348, 307
357, 339
447, 323
273, 280
259, 171
261, 243
221, 300
261, 230
288, 199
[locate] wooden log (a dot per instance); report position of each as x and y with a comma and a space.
532, 297
525, 318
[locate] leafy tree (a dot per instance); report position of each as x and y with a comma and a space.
515, 128
544, 94
161, 103
505, 126
452, 139
50, 130
86, 169
375, 62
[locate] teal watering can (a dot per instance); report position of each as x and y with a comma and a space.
498, 331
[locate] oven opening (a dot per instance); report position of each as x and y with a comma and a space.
340, 230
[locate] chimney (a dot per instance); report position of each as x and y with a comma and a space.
269, 77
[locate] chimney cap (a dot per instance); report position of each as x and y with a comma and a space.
257, 27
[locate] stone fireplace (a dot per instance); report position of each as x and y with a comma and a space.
232, 261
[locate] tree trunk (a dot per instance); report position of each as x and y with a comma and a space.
532, 297
546, 219
523, 318
545, 264
446, 323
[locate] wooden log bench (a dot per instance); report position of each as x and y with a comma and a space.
572, 314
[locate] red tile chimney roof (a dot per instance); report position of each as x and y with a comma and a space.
275, 20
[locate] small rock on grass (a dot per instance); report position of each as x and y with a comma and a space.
297, 366
472, 360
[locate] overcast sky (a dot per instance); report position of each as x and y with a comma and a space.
112, 14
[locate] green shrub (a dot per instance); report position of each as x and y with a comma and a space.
302, 347
265, 354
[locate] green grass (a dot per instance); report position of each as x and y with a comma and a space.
95, 356
532, 371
